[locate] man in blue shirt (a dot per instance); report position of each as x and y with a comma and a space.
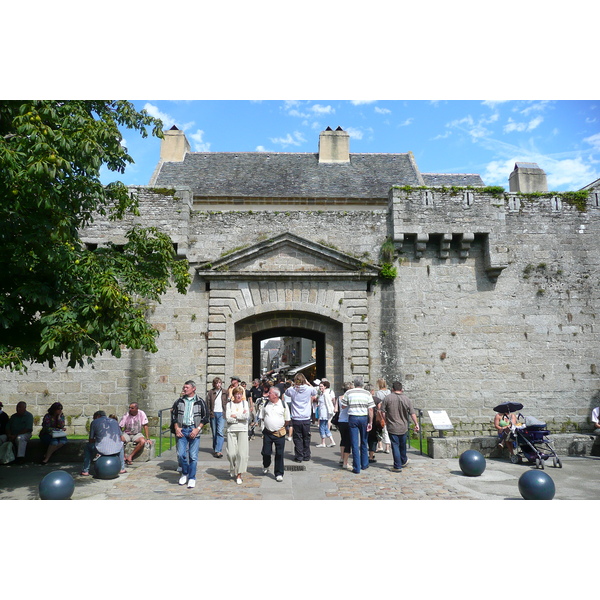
105, 439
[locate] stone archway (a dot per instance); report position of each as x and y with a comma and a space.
327, 332
288, 282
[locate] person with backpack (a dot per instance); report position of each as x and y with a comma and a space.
274, 415
188, 415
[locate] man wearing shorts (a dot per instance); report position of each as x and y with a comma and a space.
132, 425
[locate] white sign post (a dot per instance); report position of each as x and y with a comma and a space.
440, 421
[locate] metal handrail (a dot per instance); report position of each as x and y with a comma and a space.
420, 419
160, 431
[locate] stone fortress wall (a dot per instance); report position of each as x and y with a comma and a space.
495, 299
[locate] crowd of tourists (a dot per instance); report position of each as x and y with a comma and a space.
368, 420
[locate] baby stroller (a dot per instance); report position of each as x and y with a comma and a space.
533, 443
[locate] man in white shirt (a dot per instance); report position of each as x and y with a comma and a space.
274, 416
360, 405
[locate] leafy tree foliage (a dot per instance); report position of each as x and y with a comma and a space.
59, 299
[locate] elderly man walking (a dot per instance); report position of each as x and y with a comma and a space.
274, 415
360, 405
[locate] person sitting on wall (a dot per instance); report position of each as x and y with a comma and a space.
504, 423
53, 432
19, 430
595, 450
3, 424
132, 424
596, 421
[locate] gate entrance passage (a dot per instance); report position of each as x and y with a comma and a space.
325, 332
280, 332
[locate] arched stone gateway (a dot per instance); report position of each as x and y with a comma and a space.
282, 285
326, 333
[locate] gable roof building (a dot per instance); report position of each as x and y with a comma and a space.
329, 174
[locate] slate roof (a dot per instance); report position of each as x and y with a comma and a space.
262, 174
298, 175
450, 179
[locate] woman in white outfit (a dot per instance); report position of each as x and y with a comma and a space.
237, 414
325, 400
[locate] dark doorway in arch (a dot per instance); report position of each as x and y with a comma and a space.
317, 336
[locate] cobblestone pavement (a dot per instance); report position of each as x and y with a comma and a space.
322, 479
319, 479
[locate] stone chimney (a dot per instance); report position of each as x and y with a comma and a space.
527, 178
334, 146
174, 146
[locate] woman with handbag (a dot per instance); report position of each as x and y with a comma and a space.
237, 414
53, 432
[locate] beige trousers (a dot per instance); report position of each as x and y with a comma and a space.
237, 451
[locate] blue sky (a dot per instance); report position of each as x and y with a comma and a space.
454, 136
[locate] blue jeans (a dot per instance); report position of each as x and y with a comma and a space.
187, 445
324, 429
89, 451
398, 443
217, 426
359, 443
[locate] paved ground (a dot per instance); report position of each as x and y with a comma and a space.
322, 479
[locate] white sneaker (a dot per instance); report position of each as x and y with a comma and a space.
330, 445
239, 481
191, 483
279, 478
265, 471
321, 446
183, 480
289, 439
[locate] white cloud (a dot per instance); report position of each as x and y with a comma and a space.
358, 102
593, 141
382, 111
569, 173
322, 110
198, 141
355, 134
153, 111
536, 106
529, 126
476, 130
406, 122
497, 172
493, 103
296, 140
167, 120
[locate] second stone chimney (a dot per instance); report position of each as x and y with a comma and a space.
334, 146
527, 178
174, 146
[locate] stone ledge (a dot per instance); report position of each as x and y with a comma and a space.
565, 444
73, 452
